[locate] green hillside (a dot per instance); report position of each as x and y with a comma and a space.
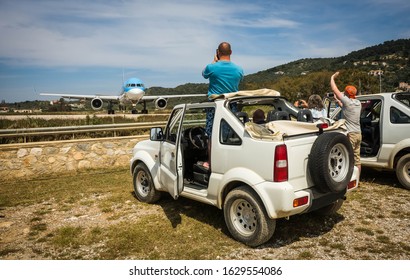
301, 78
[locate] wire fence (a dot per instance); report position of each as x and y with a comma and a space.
26, 135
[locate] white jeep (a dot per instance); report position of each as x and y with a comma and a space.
385, 125
258, 173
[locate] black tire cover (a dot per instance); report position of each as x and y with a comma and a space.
331, 162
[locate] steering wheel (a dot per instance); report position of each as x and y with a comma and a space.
197, 137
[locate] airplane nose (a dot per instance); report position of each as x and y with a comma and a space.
135, 93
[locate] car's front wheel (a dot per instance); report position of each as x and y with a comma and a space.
143, 185
246, 217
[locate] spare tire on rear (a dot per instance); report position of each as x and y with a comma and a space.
331, 162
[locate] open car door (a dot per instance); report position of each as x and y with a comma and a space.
171, 168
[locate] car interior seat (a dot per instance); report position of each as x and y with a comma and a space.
305, 115
201, 174
243, 116
370, 143
275, 115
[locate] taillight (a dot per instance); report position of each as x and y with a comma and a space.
300, 201
322, 126
280, 166
351, 184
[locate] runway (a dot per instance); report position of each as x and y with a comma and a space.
74, 117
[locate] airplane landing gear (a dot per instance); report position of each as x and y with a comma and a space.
122, 108
110, 108
144, 111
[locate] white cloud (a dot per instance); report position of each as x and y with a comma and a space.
171, 41
65, 33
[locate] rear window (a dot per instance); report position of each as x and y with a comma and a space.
248, 105
397, 116
403, 97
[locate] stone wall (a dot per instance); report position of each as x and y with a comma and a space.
48, 158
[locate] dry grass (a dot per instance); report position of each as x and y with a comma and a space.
95, 215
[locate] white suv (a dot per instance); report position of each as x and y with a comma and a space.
258, 173
385, 125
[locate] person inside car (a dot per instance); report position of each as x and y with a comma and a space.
258, 117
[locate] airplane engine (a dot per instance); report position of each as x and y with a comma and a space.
160, 103
96, 103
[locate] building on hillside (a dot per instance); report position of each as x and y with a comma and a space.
375, 73
25, 111
4, 109
404, 86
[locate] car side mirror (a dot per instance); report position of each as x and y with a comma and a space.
156, 134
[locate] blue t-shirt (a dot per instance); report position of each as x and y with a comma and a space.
224, 77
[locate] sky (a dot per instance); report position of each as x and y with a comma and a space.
89, 47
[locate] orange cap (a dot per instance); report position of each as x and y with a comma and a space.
351, 91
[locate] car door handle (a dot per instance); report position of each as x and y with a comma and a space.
172, 154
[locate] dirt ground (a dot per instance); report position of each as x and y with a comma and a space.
373, 224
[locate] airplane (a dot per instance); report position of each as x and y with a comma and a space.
132, 92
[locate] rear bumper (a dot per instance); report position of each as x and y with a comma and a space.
278, 198
319, 200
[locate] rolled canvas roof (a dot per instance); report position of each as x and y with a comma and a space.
276, 130
257, 92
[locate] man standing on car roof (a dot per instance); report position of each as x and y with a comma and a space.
224, 77
351, 108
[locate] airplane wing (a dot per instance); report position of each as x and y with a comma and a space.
151, 97
81, 96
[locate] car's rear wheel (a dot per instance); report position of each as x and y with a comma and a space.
246, 217
143, 185
331, 162
403, 171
